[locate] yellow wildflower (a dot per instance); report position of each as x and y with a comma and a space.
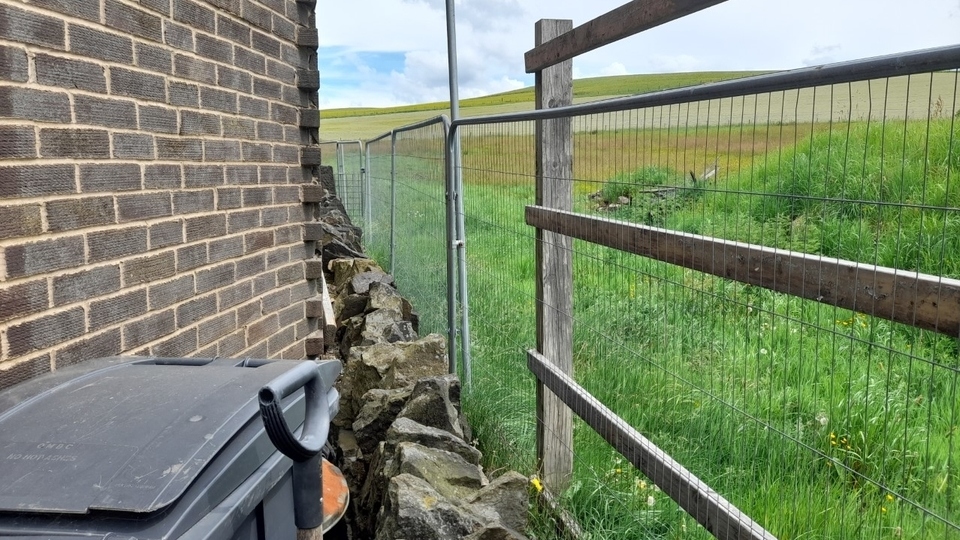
537, 484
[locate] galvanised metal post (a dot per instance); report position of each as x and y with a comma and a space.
452, 247
393, 200
367, 205
342, 185
452, 142
461, 244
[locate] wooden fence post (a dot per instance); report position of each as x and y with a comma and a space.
554, 88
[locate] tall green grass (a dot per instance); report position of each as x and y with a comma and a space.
816, 421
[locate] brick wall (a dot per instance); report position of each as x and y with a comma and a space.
152, 154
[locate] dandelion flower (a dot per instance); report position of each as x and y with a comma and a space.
883, 509
889, 497
537, 484
763, 350
651, 500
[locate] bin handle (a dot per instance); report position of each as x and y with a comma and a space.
316, 423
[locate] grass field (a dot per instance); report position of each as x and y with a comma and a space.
363, 123
858, 101
818, 422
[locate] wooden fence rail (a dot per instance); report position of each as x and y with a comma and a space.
629, 19
717, 515
920, 300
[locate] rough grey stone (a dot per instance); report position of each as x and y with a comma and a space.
389, 365
386, 325
451, 475
349, 305
337, 250
401, 331
503, 501
435, 403
413, 509
380, 408
361, 282
495, 533
408, 430
382, 296
344, 270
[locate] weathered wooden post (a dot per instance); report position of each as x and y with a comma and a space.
554, 170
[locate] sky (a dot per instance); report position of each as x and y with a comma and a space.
379, 53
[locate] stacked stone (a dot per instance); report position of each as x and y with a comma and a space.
402, 439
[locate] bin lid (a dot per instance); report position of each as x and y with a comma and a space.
129, 437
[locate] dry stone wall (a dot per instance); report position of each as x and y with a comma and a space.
153, 161
402, 440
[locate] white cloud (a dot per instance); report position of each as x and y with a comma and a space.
822, 55
615, 68
493, 35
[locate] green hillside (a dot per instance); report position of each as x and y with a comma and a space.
583, 88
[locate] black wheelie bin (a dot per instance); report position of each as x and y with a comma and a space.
158, 448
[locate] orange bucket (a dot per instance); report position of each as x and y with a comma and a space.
336, 495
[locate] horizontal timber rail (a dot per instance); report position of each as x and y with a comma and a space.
716, 514
629, 19
921, 300
894, 65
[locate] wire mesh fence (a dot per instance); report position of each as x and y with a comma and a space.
348, 163
408, 216
816, 415
377, 230
811, 418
